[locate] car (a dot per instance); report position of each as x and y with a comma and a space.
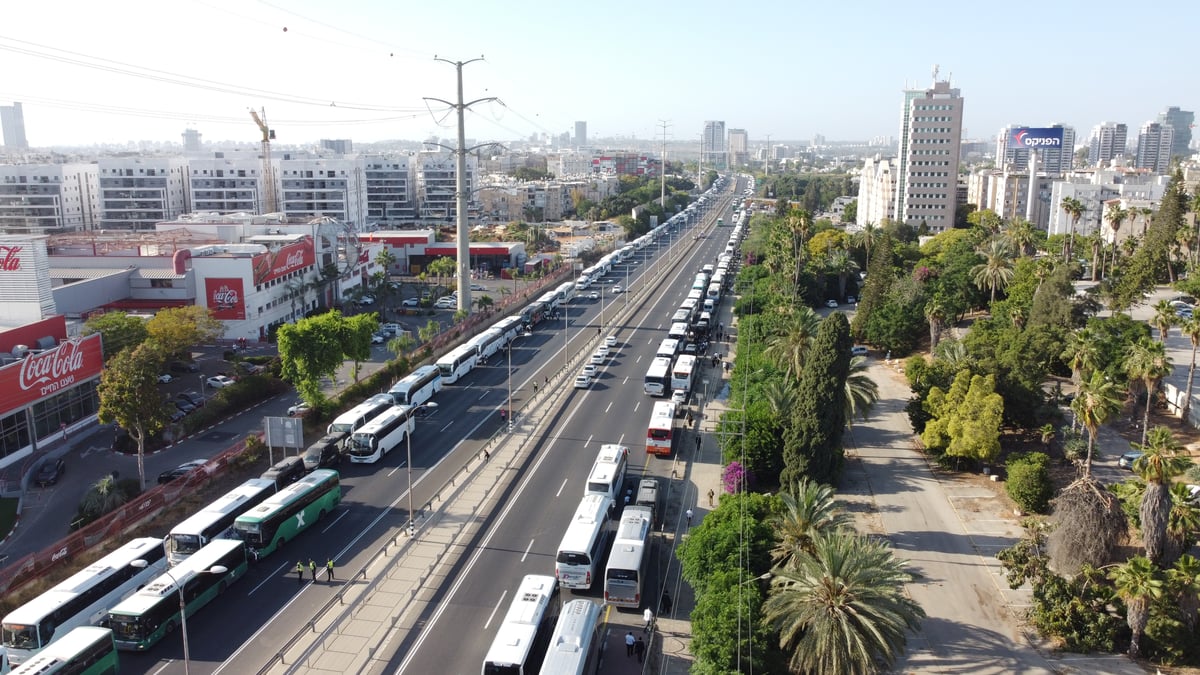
378, 338
50, 471
610, 341
366, 300
582, 381
691, 348
850, 299
184, 406
180, 471
411, 302
593, 296
478, 287
1194, 491
219, 381
602, 349
425, 295
184, 367
858, 350
165, 378
598, 357
298, 409
1183, 313
679, 397
192, 397
1126, 460
178, 416
590, 370
831, 303
391, 329
616, 289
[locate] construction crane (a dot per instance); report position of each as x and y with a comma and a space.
268, 135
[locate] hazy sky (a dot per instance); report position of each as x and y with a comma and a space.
91, 71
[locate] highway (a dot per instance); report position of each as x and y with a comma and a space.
238, 632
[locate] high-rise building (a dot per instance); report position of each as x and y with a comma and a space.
876, 191
191, 141
580, 134
341, 146
930, 140
12, 120
1154, 147
230, 184
48, 198
713, 149
1107, 141
333, 187
436, 184
1180, 122
1052, 160
389, 189
136, 193
739, 147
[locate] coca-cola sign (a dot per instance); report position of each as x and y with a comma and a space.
10, 258
53, 371
225, 298
285, 260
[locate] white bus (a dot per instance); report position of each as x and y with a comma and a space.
575, 644
509, 327
608, 472
417, 387
626, 571
354, 418
668, 348
714, 291
87, 650
457, 363
550, 300
707, 269
215, 521
660, 433
488, 343
370, 443
700, 282
694, 295
82, 599
681, 316
582, 545
520, 644
683, 372
658, 377
678, 331
566, 292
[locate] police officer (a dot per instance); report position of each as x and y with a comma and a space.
312, 567
329, 569
300, 573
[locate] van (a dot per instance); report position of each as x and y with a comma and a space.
285, 472
325, 453
647, 496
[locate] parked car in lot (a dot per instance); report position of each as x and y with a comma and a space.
1126, 461
180, 471
378, 338
165, 378
411, 302
391, 329
850, 299
219, 381
184, 367
184, 405
367, 300
478, 287
50, 471
831, 303
193, 398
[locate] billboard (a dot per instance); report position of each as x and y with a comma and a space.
285, 260
53, 371
225, 298
1035, 137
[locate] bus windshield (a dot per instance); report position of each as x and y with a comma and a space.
20, 636
185, 544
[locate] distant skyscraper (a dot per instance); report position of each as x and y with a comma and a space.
1107, 141
1180, 122
930, 139
713, 150
342, 146
191, 141
1053, 160
739, 147
580, 134
12, 119
1154, 147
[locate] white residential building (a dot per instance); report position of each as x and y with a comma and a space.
876, 191
568, 164
1106, 143
315, 187
1094, 188
1154, 147
48, 198
136, 192
230, 184
389, 189
930, 143
436, 184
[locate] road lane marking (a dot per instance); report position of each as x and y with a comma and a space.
560, 488
447, 426
637, 406
335, 521
482, 395
393, 471
608, 407
527, 548
589, 442
495, 609
269, 577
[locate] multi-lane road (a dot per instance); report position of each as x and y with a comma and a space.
240, 631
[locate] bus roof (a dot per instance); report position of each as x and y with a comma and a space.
634, 526
519, 629
66, 646
384, 419
572, 638
364, 408
167, 583
685, 361
662, 415
589, 517
227, 503
288, 494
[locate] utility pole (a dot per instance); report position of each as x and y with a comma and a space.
664, 124
700, 166
767, 161
460, 189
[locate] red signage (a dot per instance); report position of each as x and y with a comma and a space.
53, 371
225, 298
275, 264
10, 258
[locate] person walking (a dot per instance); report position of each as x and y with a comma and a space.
697, 443
639, 648
710, 496
629, 642
312, 567
666, 602
687, 514
300, 573
648, 617
329, 570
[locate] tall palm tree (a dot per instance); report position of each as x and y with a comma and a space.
1115, 217
1164, 318
841, 265
996, 270
1184, 578
1020, 236
861, 391
1145, 213
1074, 209
842, 608
1159, 463
1136, 582
780, 394
1082, 354
937, 315
866, 237
809, 509
1147, 362
790, 349
1183, 523
1095, 403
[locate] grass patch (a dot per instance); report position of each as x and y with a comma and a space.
8, 515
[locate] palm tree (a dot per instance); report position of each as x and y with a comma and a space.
1183, 522
103, 497
780, 395
1020, 236
1136, 582
1159, 463
937, 315
842, 608
1095, 403
861, 391
809, 509
1147, 361
1164, 318
401, 344
996, 270
1184, 579
789, 349
1191, 328
1074, 209
1115, 216
866, 237
841, 265
1082, 354
484, 302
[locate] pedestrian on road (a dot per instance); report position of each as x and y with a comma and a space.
312, 567
648, 617
300, 573
710, 496
639, 648
329, 569
697, 443
629, 642
666, 603
687, 514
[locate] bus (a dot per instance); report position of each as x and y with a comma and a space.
350, 421
714, 291
289, 512
575, 644
370, 443
660, 433
509, 327
608, 472
582, 545
140, 621
456, 363
566, 292
215, 521
417, 387
82, 599
700, 282
533, 314
707, 270
520, 644
682, 372
488, 343
658, 377
678, 330
626, 564
668, 348
87, 650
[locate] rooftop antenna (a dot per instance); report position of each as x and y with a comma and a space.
935, 72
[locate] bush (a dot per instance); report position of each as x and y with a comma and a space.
1029, 481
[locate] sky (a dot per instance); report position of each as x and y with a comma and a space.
125, 70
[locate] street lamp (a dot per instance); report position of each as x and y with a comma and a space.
412, 528
215, 569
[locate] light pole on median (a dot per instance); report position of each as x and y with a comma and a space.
412, 528
215, 569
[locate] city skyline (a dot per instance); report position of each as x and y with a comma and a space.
339, 74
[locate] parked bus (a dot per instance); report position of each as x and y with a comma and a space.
289, 512
576, 642
140, 621
417, 387
350, 421
668, 348
582, 545
520, 644
533, 314
626, 570
678, 330
707, 269
683, 372
215, 521
457, 363
509, 327
714, 291
82, 599
658, 377
370, 443
566, 292
660, 433
488, 343
550, 300
608, 472
700, 282
87, 650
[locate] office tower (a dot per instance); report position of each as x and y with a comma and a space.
930, 140
1107, 141
739, 147
1180, 122
12, 119
1052, 160
580, 134
341, 146
713, 148
191, 141
1154, 147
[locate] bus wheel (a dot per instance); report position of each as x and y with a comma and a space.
170, 627
221, 587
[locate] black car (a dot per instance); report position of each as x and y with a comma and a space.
192, 397
184, 405
184, 367
49, 472
180, 471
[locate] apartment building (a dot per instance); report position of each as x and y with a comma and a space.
931, 136
436, 173
231, 184
313, 187
136, 192
389, 189
49, 198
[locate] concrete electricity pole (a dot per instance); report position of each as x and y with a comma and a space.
767, 161
664, 124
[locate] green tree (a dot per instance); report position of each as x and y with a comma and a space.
1074, 210
841, 266
1164, 318
965, 420
1020, 236
356, 334
401, 344
178, 329
1028, 482
1184, 581
790, 348
311, 349
103, 496
861, 391
813, 444
1160, 462
485, 302
996, 270
735, 537
1137, 582
865, 237
118, 331
726, 626
842, 608
1097, 400
1147, 361
1115, 217
443, 267
129, 396
809, 509
1190, 328
879, 280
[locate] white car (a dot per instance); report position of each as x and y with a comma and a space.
165, 378
367, 300
590, 370
602, 349
444, 303
598, 357
832, 304
593, 296
478, 287
299, 408
219, 381
616, 289
858, 350
377, 338
411, 302
679, 397
582, 381
610, 341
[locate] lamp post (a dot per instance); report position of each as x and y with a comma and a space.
215, 569
412, 528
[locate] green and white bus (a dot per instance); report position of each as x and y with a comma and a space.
87, 650
142, 620
289, 512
